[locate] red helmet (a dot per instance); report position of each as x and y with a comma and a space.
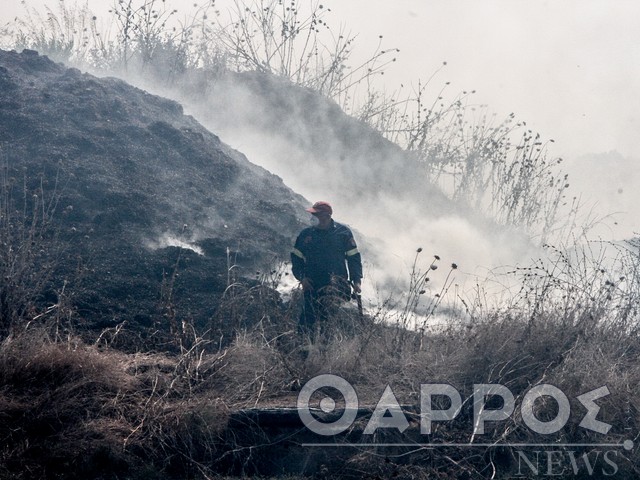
321, 207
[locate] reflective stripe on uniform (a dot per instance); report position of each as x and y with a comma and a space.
353, 251
298, 253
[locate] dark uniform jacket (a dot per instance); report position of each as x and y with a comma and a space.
320, 254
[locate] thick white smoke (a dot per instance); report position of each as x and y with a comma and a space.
374, 187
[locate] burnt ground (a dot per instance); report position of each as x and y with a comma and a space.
130, 176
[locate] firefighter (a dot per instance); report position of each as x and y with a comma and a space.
326, 262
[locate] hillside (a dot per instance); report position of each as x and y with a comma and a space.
132, 178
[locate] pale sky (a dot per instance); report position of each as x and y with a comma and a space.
569, 68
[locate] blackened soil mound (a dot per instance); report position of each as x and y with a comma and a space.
139, 186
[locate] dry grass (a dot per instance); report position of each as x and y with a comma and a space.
76, 410
73, 410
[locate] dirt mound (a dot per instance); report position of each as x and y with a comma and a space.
138, 189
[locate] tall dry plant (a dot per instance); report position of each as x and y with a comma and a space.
29, 248
499, 167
